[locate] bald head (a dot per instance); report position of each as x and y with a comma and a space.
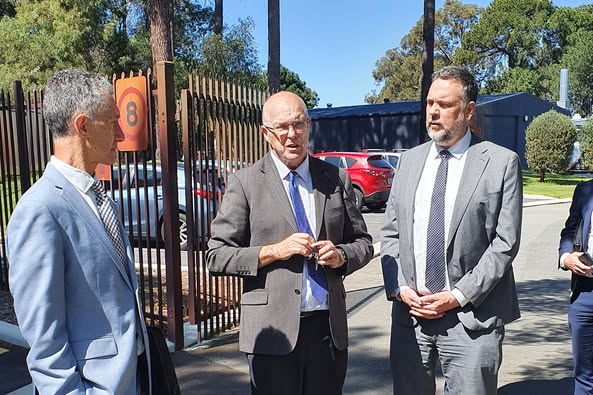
282, 100
285, 125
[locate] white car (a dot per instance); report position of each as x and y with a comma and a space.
390, 156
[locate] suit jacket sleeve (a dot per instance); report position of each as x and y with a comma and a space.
390, 242
228, 249
357, 243
34, 243
496, 260
567, 234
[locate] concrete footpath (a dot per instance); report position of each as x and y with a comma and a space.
537, 353
537, 349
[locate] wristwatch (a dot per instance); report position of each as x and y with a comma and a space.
343, 253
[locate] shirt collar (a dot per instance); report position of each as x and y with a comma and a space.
283, 170
80, 179
457, 150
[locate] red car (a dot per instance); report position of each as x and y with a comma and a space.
371, 176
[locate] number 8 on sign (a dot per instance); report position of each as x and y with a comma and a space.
131, 101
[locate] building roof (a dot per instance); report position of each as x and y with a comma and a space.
392, 108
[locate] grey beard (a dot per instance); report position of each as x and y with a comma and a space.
441, 137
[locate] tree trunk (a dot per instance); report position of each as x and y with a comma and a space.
218, 17
161, 30
542, 175
427, 64
273, 46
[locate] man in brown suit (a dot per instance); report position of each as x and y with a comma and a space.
289, 226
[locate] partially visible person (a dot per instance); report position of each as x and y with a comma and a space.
451, 232
290, 227
71, 270
577, 231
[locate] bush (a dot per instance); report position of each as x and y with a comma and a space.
586, 140
549, 140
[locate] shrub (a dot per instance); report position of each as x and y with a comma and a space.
586, 140
549, 140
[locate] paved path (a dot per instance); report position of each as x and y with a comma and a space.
537, 355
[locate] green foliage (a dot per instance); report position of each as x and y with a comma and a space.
400, 69
578, 58
549, 140
586, 144
232, 55
290, 81
41, 38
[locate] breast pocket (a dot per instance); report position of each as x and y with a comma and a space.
86, 349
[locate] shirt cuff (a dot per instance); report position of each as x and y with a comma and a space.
562, 258
461, 299
398, 290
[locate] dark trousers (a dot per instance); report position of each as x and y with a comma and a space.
580, 320
142, 375
315, 366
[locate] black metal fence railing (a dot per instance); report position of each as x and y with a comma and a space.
219, 129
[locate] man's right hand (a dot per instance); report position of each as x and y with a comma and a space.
295, 244
578, 263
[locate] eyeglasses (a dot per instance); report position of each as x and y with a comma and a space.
297, 126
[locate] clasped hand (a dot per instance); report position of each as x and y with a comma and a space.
428, 306
578, 263
303, 244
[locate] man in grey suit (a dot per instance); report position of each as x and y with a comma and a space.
71, 267
451, 231
289, 226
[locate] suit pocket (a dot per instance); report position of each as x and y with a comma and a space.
254, 298
94, 348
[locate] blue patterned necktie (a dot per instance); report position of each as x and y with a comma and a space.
316, 277
109, 219
435, 236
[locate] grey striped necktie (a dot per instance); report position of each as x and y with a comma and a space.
109, 219
435, 236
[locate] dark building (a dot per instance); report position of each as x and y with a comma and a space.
502, 119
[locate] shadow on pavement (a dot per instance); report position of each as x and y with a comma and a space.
539, 387
544, 304
199, 372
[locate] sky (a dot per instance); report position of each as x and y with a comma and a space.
333, 45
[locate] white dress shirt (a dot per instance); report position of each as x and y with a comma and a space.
422, 204
305, 183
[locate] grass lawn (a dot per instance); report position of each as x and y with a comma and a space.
555, 185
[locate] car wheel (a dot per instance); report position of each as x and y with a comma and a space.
358, 198
182, 232
375, 206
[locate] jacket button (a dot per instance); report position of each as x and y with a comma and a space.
297, 291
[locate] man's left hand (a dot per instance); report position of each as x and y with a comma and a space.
436, 305
328, 254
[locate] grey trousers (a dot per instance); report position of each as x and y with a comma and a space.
470, 359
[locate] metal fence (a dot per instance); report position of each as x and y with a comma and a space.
166, 205
220, 122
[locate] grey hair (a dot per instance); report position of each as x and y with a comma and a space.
461, 75
72, 92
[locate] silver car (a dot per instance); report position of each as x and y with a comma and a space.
136, 193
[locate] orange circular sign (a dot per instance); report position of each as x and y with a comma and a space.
132, 113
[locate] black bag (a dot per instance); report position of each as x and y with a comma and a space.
164, 379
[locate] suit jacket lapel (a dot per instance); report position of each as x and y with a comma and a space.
73, 198
320, 181
413, 176
475, 164
276, 189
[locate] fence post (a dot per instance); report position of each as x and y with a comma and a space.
21, 137
167, 134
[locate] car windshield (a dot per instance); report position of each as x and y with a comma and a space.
378, 161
